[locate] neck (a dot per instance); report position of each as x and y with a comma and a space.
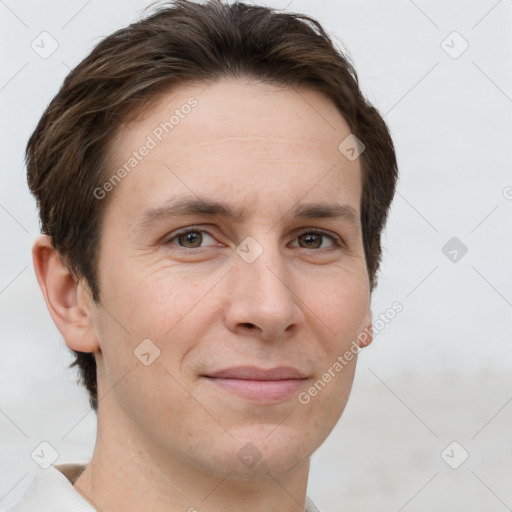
128, 473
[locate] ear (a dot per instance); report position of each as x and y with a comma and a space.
69, 302
366, 335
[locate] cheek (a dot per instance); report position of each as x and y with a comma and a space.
168, 306
151, 302
323, 402
148, 324
341, 304
340, 309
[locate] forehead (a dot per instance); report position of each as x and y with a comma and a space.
235, 138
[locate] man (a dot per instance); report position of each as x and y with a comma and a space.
212, 189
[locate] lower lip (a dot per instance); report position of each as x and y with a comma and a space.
260, 390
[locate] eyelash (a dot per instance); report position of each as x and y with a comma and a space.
168, 241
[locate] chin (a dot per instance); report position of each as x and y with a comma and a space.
277, 450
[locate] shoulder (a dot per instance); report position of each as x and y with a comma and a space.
52, 490
310, 506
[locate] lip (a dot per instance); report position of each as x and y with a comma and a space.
259, 384
256, 373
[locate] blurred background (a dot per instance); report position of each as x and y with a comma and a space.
428, 425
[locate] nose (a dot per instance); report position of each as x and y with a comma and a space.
261, 299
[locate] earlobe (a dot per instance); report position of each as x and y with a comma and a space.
71, 313
366, 335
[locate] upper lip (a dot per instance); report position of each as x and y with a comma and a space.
255, 373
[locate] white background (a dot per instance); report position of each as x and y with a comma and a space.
441, 371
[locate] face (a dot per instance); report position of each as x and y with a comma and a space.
230, 248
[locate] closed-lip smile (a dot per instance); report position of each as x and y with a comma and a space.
259, 384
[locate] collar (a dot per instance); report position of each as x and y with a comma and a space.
52, 490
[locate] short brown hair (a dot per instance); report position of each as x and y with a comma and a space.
184, 42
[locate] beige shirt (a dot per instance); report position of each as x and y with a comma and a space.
52, 491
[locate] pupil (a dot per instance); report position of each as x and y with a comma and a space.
311, 238
194, 238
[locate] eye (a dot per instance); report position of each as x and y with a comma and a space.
190, 239
315, 240
195, 238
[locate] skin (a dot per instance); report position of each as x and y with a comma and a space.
168, 438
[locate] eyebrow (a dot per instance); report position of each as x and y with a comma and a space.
203, 207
